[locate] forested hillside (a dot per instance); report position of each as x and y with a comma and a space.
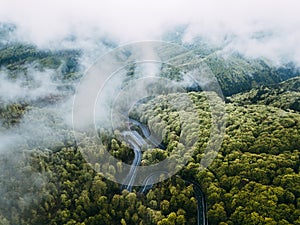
284, 95
254, 178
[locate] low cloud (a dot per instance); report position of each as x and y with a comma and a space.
256, 28
35, 84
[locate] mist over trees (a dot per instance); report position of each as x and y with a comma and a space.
254, 178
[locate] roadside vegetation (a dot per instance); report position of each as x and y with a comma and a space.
254, 178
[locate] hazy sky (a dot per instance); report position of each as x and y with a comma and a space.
267, 28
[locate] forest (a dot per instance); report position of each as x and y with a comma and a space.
254, 178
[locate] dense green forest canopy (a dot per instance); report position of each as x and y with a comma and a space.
284, 95
254, 178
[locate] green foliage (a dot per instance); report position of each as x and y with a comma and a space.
10, 115
18, 54
17, 57
254, 178
285, 95
237, 74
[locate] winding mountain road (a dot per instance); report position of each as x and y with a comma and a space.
146, 186
201, 210
147, 134
129, 180
134, 139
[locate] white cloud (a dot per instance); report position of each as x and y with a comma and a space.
40, 85
243, 21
